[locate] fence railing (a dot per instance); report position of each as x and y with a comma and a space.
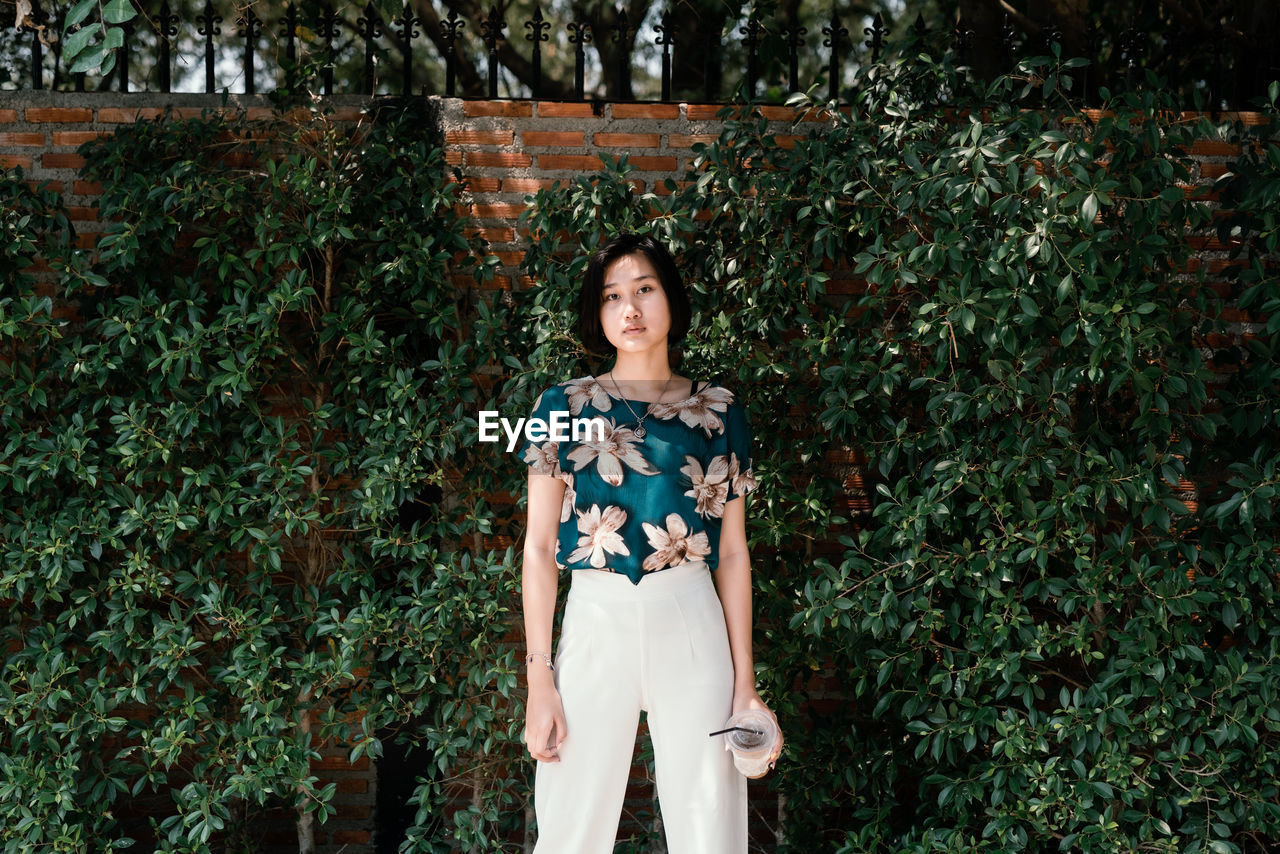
475, 57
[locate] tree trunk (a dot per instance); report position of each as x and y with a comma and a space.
306, 824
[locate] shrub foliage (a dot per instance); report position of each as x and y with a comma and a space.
245, 512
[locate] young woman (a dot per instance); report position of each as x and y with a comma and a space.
652, 522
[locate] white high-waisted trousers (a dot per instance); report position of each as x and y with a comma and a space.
662, 646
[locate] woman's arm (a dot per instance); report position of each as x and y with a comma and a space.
733, 584
544, 714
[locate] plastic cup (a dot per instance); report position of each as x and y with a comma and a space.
752, 736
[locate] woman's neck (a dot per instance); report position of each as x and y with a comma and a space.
642, 367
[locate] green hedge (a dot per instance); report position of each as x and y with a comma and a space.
247, 485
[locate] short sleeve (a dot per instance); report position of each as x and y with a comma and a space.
541, 453
737, 433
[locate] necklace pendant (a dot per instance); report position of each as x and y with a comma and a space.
639, 431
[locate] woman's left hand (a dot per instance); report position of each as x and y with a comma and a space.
745, 698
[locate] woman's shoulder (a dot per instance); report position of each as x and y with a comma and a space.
564, 388
714, 393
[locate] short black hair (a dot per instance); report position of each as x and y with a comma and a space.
629, 243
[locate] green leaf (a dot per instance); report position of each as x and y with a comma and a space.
76, 42
118, 12
78, 13
1089, 208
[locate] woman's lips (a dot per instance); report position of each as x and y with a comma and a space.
632, 330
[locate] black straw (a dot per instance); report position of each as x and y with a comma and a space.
739, 729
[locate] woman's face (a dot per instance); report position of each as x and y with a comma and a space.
633, 306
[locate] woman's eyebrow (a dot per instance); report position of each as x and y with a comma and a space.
639, 278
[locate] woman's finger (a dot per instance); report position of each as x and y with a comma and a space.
561, 729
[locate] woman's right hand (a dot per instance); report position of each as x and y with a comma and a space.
544, 724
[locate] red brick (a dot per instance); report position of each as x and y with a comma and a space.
1248, 117
493, 235
513, 259
347, 114
701, 112
59, 114
480, 137
350, 837
553, 137
776, 113
13, 161
8, 116
86, 188
86, 239
55, 186
563, 110
506, 159
1215, 148
353, 785
123, 116
646, 111
526, 185
627, 140
573, 162
22, 138
493, 210
653, 164
340, 763
1213, 170
81, 213
518, 109
453, 158
473, 184
77, 137
687, 140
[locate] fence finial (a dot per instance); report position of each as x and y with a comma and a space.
370, 24
537, 34
492, 28
450, 28
249, 25
877, 33
666, 37
835, 34
166, 30
408, 23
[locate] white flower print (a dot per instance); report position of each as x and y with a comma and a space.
598, 533
674, 546
570, 496
742, 482
699, 410
544, 458
586, 390
618, 447
710, 489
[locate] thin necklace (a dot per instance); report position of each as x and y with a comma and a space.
639, 431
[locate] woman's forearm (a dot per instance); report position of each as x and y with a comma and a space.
539, 579
733, 585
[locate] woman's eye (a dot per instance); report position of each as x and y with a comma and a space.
645, 289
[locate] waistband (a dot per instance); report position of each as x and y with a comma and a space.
614, 587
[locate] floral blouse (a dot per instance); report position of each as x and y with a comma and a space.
636, 504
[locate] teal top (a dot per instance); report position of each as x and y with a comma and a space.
641, 504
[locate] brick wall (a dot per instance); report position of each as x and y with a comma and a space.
505, 150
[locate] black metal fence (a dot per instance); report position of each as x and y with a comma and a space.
457, 55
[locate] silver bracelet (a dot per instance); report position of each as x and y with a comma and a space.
528, 659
